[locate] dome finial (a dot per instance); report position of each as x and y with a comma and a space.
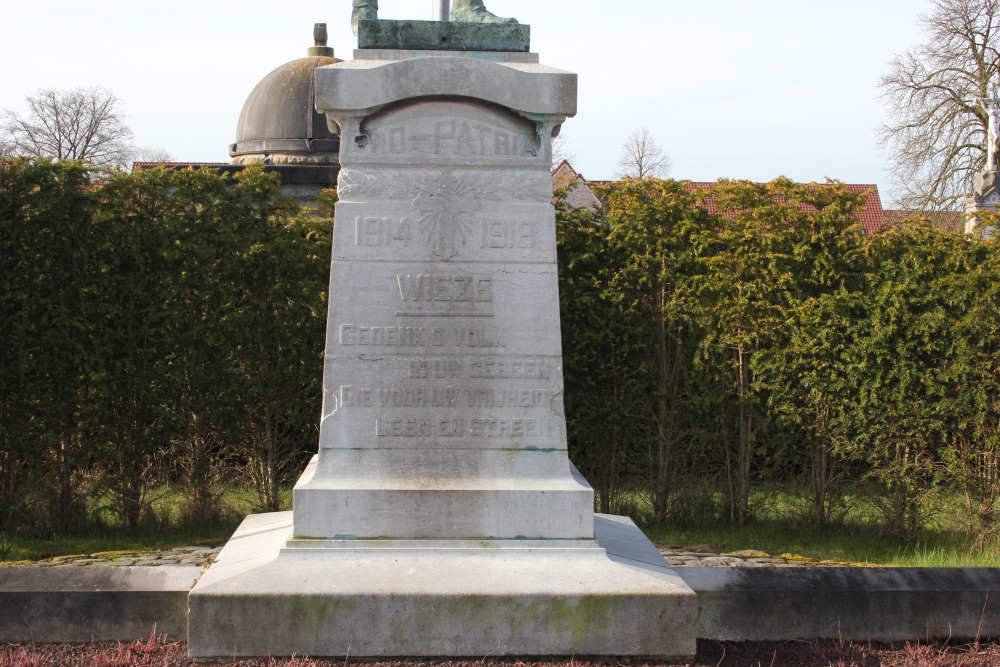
320, 36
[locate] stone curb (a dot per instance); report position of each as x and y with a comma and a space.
55, 603
853, 604
71, 604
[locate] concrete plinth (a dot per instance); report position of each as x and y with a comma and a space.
612, 596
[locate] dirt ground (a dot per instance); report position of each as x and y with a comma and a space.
160, 653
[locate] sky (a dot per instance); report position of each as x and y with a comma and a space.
749, 89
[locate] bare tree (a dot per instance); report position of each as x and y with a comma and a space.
561, 150
937, 128
642, 157
148, 154
79, 124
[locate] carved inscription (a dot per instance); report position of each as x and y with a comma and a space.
435, 368
374, 232
481, 367
398, 398
509, 368
443, 397
452, 137
403, 336
433, 287
484, 427
509, 234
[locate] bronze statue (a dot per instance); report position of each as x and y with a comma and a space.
463, 11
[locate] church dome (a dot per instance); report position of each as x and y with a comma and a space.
279, 122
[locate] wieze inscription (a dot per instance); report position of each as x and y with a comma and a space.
402, 336
433, 287
375, 232
485, 427
453, 137
503, 368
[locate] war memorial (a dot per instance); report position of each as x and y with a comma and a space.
442, 516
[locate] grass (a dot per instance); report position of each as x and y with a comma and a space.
781, 524
854, 544
159, 652
37, 548
163, 527
778, 528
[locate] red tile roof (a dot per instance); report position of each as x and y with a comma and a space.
948, 221
579, 195
872, 217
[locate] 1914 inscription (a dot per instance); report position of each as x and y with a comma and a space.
374, 232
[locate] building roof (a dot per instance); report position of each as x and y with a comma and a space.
578, 195
947, 221
871, 217
280, 117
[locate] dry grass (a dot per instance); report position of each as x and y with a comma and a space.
158, 652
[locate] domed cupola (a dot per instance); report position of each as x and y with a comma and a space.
279, 123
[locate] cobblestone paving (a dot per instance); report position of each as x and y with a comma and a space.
705, 555
702, 555
186, 555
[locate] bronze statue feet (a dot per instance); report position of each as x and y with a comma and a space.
473, 11
363, 9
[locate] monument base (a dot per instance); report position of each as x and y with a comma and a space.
615, 596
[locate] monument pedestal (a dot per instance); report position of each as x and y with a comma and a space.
614, 597
442, 516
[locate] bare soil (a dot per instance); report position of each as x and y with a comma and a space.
162, 653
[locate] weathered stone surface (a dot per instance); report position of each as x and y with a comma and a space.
361, 87
442, 516
81, 604
443, 36
459, 600
442, 413
553, 507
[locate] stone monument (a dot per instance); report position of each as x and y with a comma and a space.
442, 516
986, 193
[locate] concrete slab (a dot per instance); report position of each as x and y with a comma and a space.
65, 604
854, 604
495, 599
